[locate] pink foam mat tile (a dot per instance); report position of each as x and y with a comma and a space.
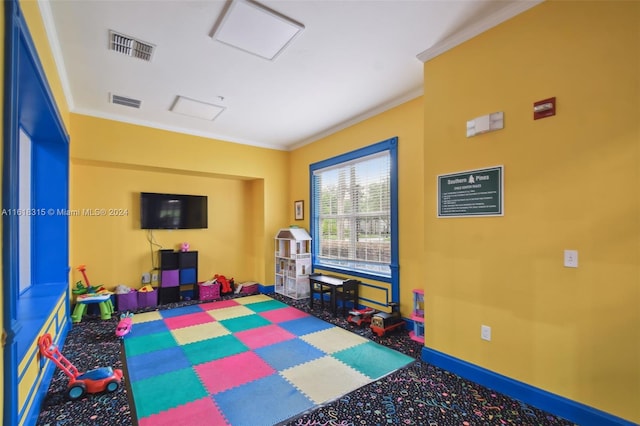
201, 412
284, 314
264, 336
189, 320
218, 305
232, 371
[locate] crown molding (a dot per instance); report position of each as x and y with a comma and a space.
504, 14
54, 45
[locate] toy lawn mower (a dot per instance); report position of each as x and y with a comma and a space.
93, 381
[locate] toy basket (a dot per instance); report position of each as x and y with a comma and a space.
128, 301
147, 299
249, 288
209, 292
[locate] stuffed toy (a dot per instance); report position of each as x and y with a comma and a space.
226, 285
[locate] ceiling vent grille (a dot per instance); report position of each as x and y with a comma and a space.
130, 46
123, 100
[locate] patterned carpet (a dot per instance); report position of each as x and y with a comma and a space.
418, 394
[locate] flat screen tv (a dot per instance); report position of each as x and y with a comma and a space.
173, 211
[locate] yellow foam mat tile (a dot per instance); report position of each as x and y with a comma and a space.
324, 378
333, 339
199, 332
253, 299
146, 317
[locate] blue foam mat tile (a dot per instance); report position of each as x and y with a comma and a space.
288, 354
306, 325
163, 361
170, 313
149, 327
273, 400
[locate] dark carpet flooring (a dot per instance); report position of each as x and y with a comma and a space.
419, 394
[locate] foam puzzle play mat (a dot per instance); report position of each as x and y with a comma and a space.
246, 361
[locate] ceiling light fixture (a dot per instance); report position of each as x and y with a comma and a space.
256, 29
197, 109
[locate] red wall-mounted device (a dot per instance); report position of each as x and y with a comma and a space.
544, 108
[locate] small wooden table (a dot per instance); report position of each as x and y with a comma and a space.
330, 281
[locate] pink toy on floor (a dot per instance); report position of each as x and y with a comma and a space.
125, 324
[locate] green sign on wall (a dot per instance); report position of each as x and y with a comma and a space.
471, 193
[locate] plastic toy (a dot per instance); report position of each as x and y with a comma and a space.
383, 322
145, 289
226, 284
80, 289
87, 295
93, 381
104, 304
360, 316
184, 246
124, 326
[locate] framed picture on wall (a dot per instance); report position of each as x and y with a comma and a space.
298, 208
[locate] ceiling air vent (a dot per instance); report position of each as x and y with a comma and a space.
130, 46
122, 100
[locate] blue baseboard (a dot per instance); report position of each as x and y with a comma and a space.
547, 401
266, 289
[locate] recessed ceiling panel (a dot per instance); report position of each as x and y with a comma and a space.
255, 29
196, 109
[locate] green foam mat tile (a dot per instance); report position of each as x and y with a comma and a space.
386, 360
135, 345
212, 349
160, 393
268, 305
246, 322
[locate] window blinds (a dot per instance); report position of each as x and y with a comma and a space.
353, 207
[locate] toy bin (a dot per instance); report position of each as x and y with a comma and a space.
147, 299
127, 301
209, 292
249, 288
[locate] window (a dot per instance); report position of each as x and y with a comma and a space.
354, 212
24, 206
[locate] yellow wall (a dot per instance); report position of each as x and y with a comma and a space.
406, 122
571, 182
111, 163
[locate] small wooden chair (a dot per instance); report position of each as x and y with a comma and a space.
348, 292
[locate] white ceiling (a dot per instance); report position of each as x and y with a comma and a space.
354, 59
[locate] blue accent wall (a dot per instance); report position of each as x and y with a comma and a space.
43, 307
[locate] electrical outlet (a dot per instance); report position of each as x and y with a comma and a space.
571, 258
146, 278
154, 277
485, 332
